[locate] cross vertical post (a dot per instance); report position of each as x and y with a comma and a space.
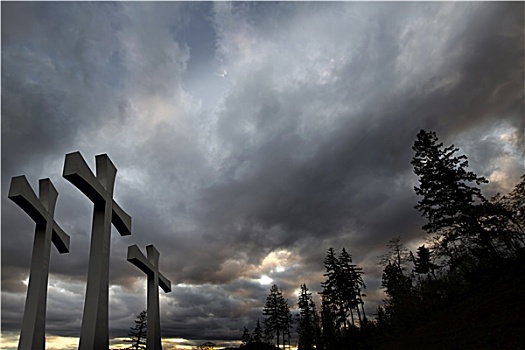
47, 231
94, 333
150, 267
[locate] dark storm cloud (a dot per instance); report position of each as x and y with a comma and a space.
56, 60
248, 138
359, 170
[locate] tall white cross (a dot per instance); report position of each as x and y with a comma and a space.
94, 333
41, 210
150, 267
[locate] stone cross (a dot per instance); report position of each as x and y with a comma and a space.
94, 333
41, 210
150, 267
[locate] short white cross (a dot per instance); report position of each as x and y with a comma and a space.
150, 267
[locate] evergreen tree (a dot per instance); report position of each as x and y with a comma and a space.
138, 333
342, 289
381, 320
307, 329
269, 334
287, 325
345, 288
330, 330
395, 279
258, 335
278, 317
246, 337
317, 324
397, 285
332, 301
400, 303
450, 199
272, 312
359, 285
423, 264
506, 220
351, 284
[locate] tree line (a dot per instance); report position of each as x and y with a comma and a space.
338, 321
471, 240
472, 243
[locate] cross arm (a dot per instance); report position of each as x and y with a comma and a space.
121, 220
153, 258
164, 283
60, 239
40, 210
21, 193
79, 174
138, 259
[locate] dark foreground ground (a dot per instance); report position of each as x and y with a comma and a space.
492, 318
255, 346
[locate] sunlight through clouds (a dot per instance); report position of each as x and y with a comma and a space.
265, 280
278, 261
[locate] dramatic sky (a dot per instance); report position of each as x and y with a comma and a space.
248, 137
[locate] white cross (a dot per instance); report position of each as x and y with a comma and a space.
41, 210
94, 333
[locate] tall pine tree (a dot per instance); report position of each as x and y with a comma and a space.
342, 290
307, 324
246, 337
331, 292
258, 334
278, 317
450, 199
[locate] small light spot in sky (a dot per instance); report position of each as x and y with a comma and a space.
223, 73
264, 280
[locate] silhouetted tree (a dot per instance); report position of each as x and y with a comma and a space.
342, 290
138, 332
318, 330
423, 264
397, 283
449, 199
345, 288
382, 320
258, 335
514, 203
331, 333
351, 284
246, 337
505, 219
333, 290
278, 316
479, 243
288, 324
307, 324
